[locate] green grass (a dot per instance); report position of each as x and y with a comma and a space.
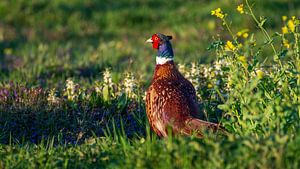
107, 152
89, 121
72, 31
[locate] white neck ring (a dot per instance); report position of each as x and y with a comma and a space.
162, 60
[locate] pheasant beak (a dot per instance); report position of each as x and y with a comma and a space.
149, 41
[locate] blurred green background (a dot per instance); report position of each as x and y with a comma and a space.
44, 42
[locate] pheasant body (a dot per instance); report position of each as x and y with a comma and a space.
171, 102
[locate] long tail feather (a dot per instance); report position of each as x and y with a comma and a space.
197, 127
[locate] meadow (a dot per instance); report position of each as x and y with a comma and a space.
73, 76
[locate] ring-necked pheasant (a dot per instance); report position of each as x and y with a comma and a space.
171, 101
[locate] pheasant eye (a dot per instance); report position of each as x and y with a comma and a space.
156, 38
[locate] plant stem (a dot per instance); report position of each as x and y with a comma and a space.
296, 36
266, 34
229, 30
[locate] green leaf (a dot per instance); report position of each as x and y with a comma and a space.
223, 107
215, 45
262, 21
122, 103
105, 91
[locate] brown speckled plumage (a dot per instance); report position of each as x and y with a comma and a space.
171, 104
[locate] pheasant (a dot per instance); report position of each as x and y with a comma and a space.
171, 102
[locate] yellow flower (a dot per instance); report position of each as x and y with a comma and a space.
284, 18
245, 35
284, 30
240, 8
212, 74
239, 33
291, 25
260, 74
253, 44
229, 82
286, 43
209, 86
218, 13
229, 46
242, 59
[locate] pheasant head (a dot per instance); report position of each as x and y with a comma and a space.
162, 44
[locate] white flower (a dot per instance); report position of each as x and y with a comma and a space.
70, 90
229, 82
194, 77
206, 72
107, 78
194, 69
98, 89
181, 68
130, 85
52, 98
218, 65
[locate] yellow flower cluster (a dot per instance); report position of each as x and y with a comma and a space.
290, 25
259, 73
218, 13
240, 9
286, 43
284, 18
285, 30
229, 46
243, 33
243, 60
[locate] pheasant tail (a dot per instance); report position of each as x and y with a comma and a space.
197, 127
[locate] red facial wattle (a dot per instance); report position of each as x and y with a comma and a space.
156, 41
